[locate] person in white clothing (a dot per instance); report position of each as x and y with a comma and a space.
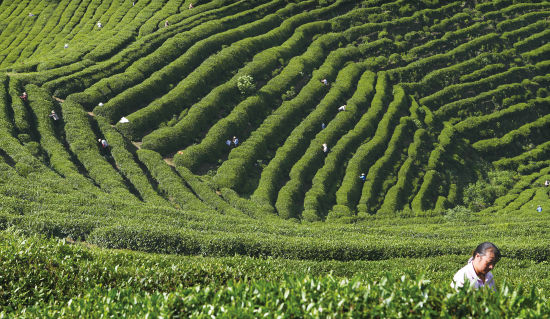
103, 143
478, 269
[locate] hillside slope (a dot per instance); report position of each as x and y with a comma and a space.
302, 158
437, 94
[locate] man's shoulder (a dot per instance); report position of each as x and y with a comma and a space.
464, 272
460, 274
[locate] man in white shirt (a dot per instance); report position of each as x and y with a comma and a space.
478, 270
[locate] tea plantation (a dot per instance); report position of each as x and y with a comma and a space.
272, 158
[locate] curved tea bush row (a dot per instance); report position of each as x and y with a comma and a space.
534, 41
255, 107
539, 153
537, 55
408, 176
62, 160
480, 104
203, 41
323, 185
52, 28
25, 39
5, 116
523, 184
194, 86
449, 40
115, 279
55, 39
407, 23
522, 199
170, 8
428, 192
296, 144
479, 70
278, 125
168, 51
530, 167
480, 127
222, 98
486, 71
497, 5
521, 21
414, 71
304, 170
120, 87
206, 193
18, 28
518, 34
123, 153
517, 10
349, 193
133, 52
20, 162
512, 142
438, 79
464, 90
159, 140
251, 208
83, 143
21, 114
89, 31
8, 10
541, 196
85, 28
170, 183
114, 40
380, 174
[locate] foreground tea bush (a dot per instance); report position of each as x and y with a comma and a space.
305, 296
49, 277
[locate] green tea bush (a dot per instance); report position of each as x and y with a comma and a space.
349, 192
304, 296
483, 193
21, 115
316, 199
524, 32
254, 107
83, 143
281, 122
224, 62
521, 21
295, 145
198, 45
46, 275
170, 182
397, 195
245, 84
224, 97
382, 170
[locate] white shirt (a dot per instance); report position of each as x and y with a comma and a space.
469, 273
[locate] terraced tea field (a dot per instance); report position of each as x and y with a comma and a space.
304, 131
